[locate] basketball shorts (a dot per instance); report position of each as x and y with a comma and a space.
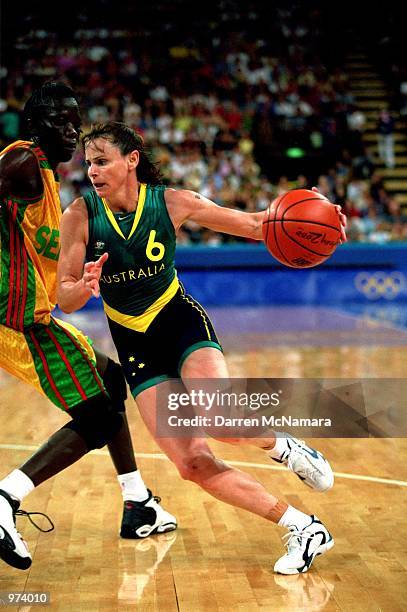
149, 358
56, 359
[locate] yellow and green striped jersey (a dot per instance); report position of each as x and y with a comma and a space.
29, 249
139, 278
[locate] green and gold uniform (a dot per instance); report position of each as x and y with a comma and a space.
154, 324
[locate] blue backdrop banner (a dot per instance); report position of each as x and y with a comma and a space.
244, 275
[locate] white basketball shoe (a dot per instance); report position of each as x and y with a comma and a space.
303, 546
13, 549
309, 464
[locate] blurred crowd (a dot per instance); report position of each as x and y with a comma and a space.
240, 110
233, 178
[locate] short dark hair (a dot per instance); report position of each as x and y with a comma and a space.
127, 140
46, 95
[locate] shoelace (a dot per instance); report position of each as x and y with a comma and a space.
294, 538
29, 514
154, 497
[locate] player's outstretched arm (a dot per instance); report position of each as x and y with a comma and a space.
77, 281
186, 205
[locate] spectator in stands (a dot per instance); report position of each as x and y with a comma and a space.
356, 121
385, 137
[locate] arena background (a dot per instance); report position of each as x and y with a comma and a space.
240, 101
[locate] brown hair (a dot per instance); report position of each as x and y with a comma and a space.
127, 140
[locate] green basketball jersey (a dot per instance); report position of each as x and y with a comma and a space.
139, 277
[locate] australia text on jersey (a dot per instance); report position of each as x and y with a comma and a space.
132, 275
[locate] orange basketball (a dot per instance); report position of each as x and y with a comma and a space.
301, 228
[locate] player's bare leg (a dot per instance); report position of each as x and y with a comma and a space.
307, 463
196, 462
60, 451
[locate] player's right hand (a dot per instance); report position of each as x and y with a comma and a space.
92, 272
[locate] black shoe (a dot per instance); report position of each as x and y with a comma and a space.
141, 519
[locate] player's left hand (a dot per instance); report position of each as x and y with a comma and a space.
92, 272
342, 218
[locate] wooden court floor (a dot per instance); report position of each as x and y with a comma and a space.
220, 558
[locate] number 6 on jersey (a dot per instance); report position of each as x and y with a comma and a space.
152, 245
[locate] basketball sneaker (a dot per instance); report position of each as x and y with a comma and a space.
13, 549
141, 519
309, 464
303, 546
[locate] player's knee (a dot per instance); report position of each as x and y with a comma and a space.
96, 421
198, 467
115, 385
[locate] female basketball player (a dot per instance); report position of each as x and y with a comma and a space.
126, 229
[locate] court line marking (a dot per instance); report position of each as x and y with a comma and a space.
248, 464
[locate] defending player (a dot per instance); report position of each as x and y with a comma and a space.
127, 225
49, 354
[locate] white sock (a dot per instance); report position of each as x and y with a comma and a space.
295, 518
17, 485
133, 487
280, 446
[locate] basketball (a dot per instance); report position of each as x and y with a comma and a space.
301, 228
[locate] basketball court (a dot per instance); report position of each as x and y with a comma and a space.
221, 558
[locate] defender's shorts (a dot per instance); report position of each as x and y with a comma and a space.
56, 359
158, 354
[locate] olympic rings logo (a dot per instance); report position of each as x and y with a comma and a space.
375, 285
